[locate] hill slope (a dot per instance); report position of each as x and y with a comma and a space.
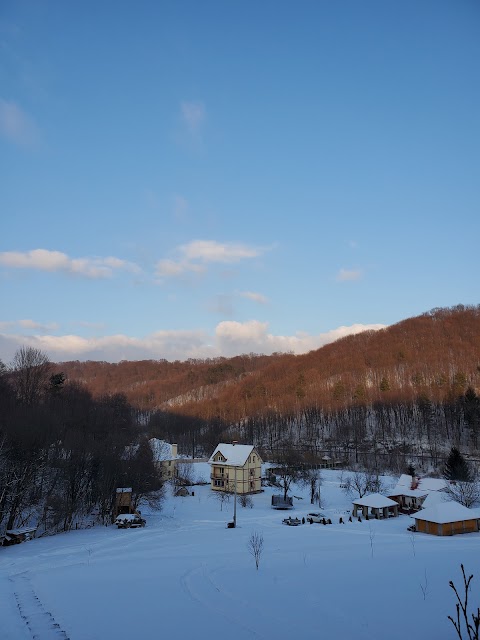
433, 355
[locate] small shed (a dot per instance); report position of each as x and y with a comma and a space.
379, 506
446, 519
123, 501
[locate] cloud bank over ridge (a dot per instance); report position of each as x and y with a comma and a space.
230, 338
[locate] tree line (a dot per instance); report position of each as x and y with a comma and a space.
62, 451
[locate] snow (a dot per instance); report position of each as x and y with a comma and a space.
187, 575
376, 501
424, 484
445, 512
236, 454
162, 451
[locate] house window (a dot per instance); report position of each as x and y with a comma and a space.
219, 483
252, 471
254, 458
221, 470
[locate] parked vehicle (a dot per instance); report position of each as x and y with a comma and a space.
316, 516
292, 522
129, 521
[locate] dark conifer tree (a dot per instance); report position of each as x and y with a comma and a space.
456, 467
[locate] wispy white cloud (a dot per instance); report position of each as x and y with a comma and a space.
169, 268
28, 324
193, 256
46, 260
256, 297
212, 251
349, 275
193, 115
230, 338
16, 125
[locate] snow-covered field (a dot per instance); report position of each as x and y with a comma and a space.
186, 575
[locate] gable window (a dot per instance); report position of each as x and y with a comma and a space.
254, 458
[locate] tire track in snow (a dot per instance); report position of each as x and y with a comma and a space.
40, 622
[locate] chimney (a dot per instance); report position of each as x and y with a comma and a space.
174, 451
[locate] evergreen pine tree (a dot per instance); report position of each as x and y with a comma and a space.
456, 467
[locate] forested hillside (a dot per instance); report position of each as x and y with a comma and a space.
408, 389
72, 432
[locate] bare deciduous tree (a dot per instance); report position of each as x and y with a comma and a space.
312, 478
255, 546
184, 476
245, 501
362, 483
466, 493
223, 497
424, 586
463, 619
31, 369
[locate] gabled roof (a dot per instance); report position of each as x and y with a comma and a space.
422, 484
446, 512
235, 455
375, 500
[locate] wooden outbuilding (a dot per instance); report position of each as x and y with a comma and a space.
123, 501
16, 536
376, 506
446, 519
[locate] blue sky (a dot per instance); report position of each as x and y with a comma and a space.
194, 179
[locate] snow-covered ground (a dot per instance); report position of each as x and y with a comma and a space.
186, 575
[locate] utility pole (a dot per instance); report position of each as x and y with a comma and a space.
235, 501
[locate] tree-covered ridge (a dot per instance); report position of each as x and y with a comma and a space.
433, 356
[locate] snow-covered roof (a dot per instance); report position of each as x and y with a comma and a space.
411, 493
445, 512
433, 498
376, 501
423, 484
235, 455
161, 450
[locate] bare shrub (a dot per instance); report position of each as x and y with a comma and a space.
255, 546
245, 501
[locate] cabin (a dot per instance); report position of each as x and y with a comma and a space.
446, 519
236, 467
375, 506
410, 492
